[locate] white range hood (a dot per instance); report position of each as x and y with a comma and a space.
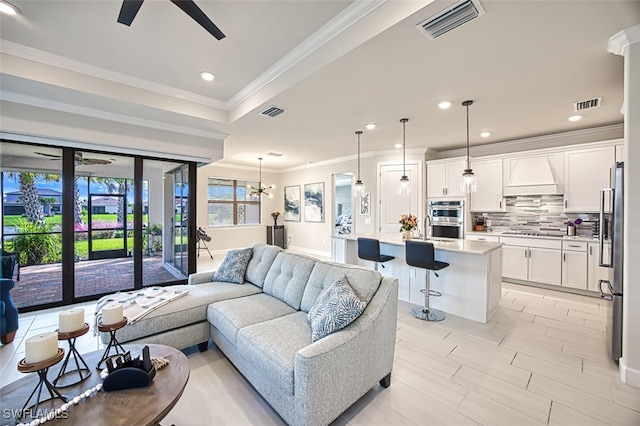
535, 175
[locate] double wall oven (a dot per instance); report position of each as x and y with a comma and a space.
447, 219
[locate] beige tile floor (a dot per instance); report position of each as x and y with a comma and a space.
541, 359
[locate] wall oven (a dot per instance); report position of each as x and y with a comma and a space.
447, 219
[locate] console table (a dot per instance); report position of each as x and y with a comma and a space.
275, 236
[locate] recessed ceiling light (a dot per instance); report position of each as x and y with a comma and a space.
207, 76
444, 104
370, 126
398, 146
485, 134
575, 117
8, 8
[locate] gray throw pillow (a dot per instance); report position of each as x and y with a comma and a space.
336, 307
233, 266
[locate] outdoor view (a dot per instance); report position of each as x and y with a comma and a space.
103, 223
233, 202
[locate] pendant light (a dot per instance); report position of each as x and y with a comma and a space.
468, 182
359, 186
260, 190
404, 187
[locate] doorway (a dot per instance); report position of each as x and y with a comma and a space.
343, 222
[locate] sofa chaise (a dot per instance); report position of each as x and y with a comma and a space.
262, 325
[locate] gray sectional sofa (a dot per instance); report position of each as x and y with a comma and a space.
262, 328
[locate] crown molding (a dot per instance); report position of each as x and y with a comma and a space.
596, 134
73, 65
104, 115
619, 42
342, 21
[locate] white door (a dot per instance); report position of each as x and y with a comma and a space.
393, 205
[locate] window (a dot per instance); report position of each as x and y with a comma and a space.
230, 202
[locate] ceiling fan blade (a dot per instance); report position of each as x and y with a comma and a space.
128, 11
53, 156
191, 9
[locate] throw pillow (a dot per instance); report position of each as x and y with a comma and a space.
233, 266
336, 307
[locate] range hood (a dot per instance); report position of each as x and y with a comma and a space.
535, 175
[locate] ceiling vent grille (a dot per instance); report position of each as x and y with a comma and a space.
273, 111
274, 154
448, 19
588, 104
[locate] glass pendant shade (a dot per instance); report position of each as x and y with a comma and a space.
404, 186
468, 182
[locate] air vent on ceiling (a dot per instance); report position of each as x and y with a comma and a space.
451, 18
588, 104
274, 154
273, 111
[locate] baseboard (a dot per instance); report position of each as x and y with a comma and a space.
628, 375
303, 250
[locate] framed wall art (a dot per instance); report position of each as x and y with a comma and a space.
314, 202
292, 203
365, 204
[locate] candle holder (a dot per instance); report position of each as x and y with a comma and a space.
42, 368
113, 341
83, 373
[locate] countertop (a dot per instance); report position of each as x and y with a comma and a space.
548, 237
445, 244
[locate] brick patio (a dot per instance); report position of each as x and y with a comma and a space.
43, 283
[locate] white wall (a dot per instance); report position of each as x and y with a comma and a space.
224, 238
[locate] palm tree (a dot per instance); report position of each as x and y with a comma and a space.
33, 208
77, 202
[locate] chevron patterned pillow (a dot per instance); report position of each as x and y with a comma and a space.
336, 307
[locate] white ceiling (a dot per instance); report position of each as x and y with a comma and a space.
335, 65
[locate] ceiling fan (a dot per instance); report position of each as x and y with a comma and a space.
80, 160
130, 9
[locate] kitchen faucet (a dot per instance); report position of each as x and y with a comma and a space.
426, 219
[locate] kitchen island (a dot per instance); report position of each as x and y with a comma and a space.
471, 286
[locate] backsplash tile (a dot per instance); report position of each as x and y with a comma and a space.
539, 213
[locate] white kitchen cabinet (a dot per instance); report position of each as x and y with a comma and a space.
595, 272
488, 197
620, 153
586, 173
574, 264
515, 263
482, 237
532, 259
443, 178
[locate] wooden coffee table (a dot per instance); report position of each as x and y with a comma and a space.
142, 406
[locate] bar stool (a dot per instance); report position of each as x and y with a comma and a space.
421, 255
369, 249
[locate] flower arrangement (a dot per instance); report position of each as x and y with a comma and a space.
578, 221
275, 215
408, 222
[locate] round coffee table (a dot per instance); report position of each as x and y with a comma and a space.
142, 406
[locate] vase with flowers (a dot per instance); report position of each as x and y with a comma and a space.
408, 223
275, 216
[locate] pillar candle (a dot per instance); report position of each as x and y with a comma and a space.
112, 314
40, 347
71, 320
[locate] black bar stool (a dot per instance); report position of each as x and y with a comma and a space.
421, 255
369, 249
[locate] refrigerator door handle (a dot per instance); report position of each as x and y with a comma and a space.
603, 295
601, 230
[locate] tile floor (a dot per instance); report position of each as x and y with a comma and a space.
541, 360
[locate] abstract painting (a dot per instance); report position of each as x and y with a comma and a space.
292, 203
314, 202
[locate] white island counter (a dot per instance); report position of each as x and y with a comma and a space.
471, 286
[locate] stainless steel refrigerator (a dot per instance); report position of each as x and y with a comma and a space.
612, 205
